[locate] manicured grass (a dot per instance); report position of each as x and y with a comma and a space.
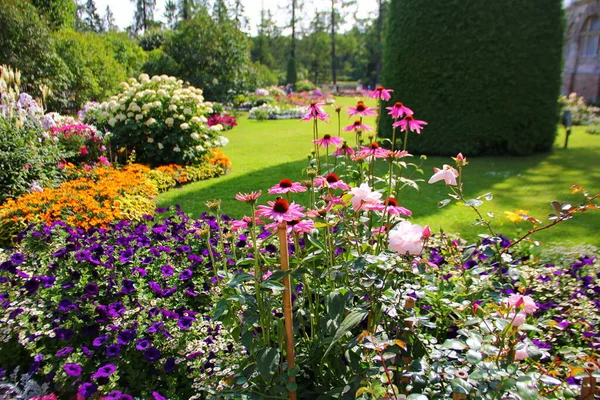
263, 153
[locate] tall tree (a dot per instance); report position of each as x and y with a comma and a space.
58, 13
109, 20
187, 8
171, 13
238, 14
296, 6
91, 20
144, 14
220, 11
335, 18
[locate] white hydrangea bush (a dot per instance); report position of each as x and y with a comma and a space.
162, 119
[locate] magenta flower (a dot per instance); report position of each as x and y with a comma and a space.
244, 223
104, 371
398, 110
409, 122
72, 369
328, 140
248, 197
331, 181
448, 174
373, 150
304, 226
381, 93
285, 186
362, 110
357, 126
314, 111
390, 205
280, 210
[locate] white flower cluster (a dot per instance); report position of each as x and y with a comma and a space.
268, 111
158, 114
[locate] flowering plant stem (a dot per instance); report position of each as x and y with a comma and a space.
266, 329
287, 305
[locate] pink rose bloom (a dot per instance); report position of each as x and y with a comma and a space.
518, 319
447, 174
406, 238
524, 302
363, 195
521, 353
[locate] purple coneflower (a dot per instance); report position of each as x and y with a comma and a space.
332, 181
373, 150
345, 150
381, 93
398, 110
357, 126
409, 122
285, 186
248, 197
280, 210
328, 140
362, 110
314, 111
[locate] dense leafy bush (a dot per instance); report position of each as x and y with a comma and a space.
159, 118
581, 113
485, 75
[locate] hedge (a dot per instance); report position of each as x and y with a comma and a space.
484, 74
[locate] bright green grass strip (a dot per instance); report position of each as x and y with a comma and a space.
263, 153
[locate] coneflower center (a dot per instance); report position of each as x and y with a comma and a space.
327, 136
293, 222
281, 206
361, 106
409, 117
374, 146
398, 104
332, 178
391, 202
285, 183
380, 88
357, 122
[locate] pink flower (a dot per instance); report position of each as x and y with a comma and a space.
390, 205
280, 210
83, 151
398, 110
244, 223
362, 110
381, 93
315, 111
345, 150
406, 238
296, 225
328, 140
357, 126
448, 174
517, 319
525, 302
248, 197
396, 154
104, 161
373, 150
285, 186
27, 166
409, 122
332, 181
426, 232
521, 353
364, 196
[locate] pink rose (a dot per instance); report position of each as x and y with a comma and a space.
406, 238
524, 302
518, 319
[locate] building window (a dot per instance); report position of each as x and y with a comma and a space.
590, 37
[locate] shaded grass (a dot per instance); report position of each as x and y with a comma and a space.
265, 152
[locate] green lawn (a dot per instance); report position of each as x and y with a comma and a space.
265, 152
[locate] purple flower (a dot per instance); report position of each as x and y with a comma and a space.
125, 337
158, 396
166, 270
17, 258
72, 369
152, 354
87, 389
126, 255
170, 365
32, 286
113, 350
48, 281
65, 305
155, 287
185, 275
64, 352
155, 327
104, 371
185, 322
139, 271
100, 341
115, 310
127, 286
65, 334
91, 288
142, 344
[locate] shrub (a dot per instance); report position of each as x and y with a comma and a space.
484, 75
304, 86
581, 113
159, 118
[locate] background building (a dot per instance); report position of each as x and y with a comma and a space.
581, 50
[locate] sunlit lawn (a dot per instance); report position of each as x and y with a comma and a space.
265, 152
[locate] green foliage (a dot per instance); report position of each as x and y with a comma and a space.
213, 56
27, 160
304, 86
292, 74
95, 73
126, 51
261, 76
153, 39
484, 75
59, 13
26, 44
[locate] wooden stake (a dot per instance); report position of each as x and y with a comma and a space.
588, 388
287, 304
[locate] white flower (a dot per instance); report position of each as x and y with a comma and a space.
364, 196
196, 120
176, 149
139, 117
130, 114
160, 146
172, 107
199, 148
150, 140
187, 111
36, 187
406, 238
195, 136
150, 121
121, 117
184, 126
216, 128
169, 121
112, 122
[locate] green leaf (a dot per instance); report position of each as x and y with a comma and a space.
336, 305
316, 242
351, 321
272, 285
443, 203
267, 361
473, 356
473, 203
454, 344
240, 278
220, 308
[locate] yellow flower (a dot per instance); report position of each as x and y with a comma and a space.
516, 216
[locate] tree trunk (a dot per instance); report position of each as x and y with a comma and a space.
333, 66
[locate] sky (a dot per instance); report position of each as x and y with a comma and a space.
124, 10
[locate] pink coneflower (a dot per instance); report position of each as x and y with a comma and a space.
248, 197
345, 150
362, 110
332, 181
398, 110
243, 223
397, 154
357, 126
381, 93
314, 111
373, 150
448, 174
280, 210
392, 207
411, 123
287, 186
328, 140
296, 225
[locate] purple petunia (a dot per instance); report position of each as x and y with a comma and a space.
87, 389
127, 286
113, 350
104, 371
125, 337
66, 305
17, 258
185, 275
100, 341
166, 270
91, 288
158, 396
72, 369
185, 322
152, 354
64, 352
142, 344
170, 365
